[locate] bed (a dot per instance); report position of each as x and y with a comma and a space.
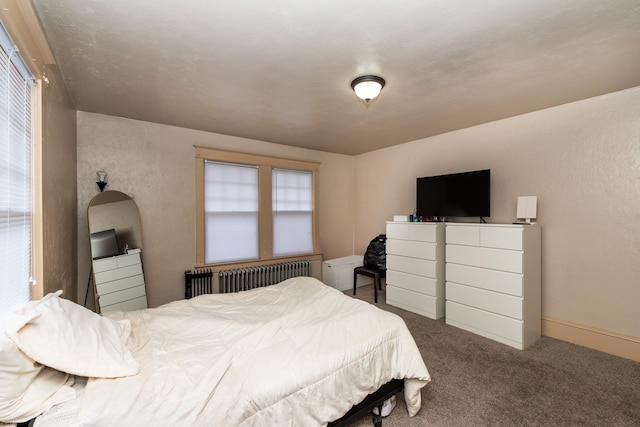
297, 353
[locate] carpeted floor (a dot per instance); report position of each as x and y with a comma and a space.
479, 382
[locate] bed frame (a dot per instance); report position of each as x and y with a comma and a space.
375, 399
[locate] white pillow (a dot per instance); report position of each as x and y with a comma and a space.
66, 336
28, 388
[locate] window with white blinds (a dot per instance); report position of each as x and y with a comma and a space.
231, 212
292, 210
15, 177
253, 208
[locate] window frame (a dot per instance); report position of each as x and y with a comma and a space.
22, 25
265, 165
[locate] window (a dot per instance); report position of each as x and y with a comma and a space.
231, 209
292, 193
15, 176
252, 209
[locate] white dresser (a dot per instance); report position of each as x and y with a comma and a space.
119, 282
493, 281
415, 267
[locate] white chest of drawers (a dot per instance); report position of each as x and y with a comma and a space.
415, 267
119, 282
493, 281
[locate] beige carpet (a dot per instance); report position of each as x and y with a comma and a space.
479, 382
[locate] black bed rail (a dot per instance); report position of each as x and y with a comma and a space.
375, 399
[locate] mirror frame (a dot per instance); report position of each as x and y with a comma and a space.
114, 210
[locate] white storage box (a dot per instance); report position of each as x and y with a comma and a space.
338, 272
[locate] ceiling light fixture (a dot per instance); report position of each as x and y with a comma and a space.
367, 87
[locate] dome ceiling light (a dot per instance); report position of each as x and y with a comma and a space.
367, 87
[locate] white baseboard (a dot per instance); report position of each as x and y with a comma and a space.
598, 339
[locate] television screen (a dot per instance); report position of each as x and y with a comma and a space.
104, 244
463, 194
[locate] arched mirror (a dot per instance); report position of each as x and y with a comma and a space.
115, 235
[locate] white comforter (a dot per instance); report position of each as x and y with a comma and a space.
298, 353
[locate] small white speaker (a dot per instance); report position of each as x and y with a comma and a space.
527, 208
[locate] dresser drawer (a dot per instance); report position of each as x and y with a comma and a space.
462, 235
501, 237
500, 328
420, 284
117, 274
105, 264
505, 305
415, 302
421, 267
492, 280
411, 248
128, 259
129, 305
118, 285
496, 259
485, 236
115, 262
423, 232
397, 231
120, 296
412, 231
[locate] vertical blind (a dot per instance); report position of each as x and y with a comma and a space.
231, 212
15, 177
292, 197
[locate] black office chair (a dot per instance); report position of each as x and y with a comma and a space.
375, 265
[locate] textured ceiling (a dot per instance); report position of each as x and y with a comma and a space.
280, 70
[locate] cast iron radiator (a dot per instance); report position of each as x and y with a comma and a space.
199, 282
243, 279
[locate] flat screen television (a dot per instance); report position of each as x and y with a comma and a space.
104, 244
465, 194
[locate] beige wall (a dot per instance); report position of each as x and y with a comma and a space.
582, 160
155, 165
59, 188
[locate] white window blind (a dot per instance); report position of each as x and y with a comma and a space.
292, 195
15, 177
231, 211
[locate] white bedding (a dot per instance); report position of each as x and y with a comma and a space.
298, 353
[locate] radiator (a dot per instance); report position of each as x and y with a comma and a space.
198, 282
243, 279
